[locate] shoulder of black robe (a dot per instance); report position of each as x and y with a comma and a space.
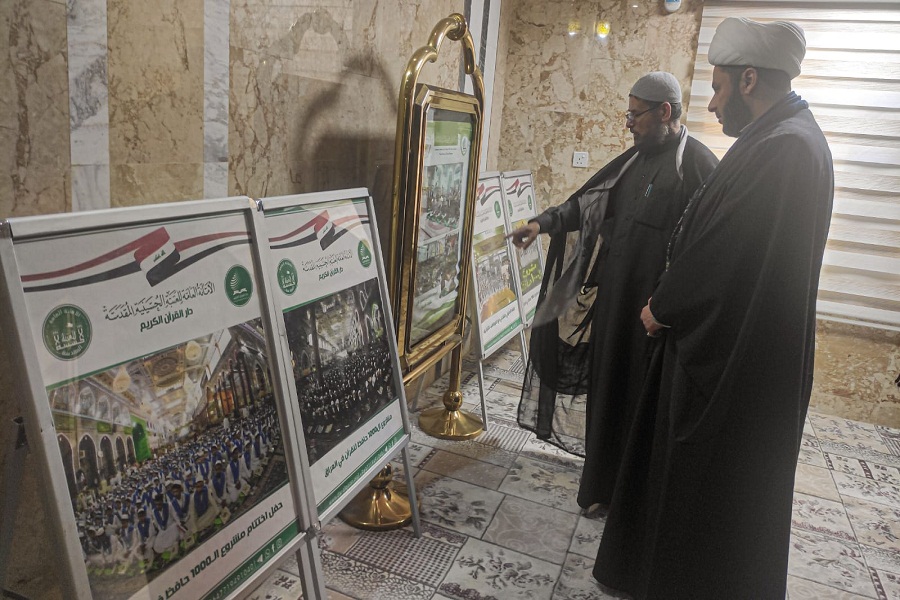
697, 164
566, 217
749, 255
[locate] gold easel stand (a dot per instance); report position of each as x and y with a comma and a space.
450, 422
379, 507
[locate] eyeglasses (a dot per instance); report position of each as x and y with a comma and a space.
631, 116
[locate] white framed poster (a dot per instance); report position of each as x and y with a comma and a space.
496, 301
168, 447
329, 285
520, 207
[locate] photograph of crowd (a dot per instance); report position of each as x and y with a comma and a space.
436, 284
164, 451
341, 362
441, 207
493, 273
529, 263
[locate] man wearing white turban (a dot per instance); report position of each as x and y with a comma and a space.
708, 515
587, 339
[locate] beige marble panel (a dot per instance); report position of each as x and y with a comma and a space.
568, 92
314, 90
155, 96
855, 371
151, 183
34, 108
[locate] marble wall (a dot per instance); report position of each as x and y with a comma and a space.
34, 111
566, 88
856, 373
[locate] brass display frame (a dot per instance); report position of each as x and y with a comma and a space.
414, 102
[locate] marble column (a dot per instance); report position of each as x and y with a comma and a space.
216, 14
88, 104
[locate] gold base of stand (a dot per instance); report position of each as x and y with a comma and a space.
449, 422
379, 507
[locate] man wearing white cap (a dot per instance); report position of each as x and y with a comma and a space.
587, 337
709, 515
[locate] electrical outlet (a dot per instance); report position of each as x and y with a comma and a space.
580, 159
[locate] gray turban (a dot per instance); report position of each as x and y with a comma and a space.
657, 86
741, 42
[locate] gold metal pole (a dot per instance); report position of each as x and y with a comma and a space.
450, 422
379, 506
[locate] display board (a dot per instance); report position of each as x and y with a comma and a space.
448, 141
168, 445
520, 207
347, 383
496, 300
433, 225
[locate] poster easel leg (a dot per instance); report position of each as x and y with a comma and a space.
411, 491
523, 345
15, 464
421, 386
310, 562
484, 418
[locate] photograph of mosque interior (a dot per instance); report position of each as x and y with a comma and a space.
704, 405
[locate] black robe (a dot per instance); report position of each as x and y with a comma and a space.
644, 206
705, 515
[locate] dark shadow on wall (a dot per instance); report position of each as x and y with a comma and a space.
345, 157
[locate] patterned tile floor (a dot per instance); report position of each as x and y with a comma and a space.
499, 519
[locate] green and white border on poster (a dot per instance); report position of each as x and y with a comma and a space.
496, 301
152, 351
520, 207
341, 348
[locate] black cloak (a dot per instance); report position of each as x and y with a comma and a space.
610, 369
706, 514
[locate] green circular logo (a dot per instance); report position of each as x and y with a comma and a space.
287, 277
365, 255
67, 332
497, 209
509, 205
529, 201
238, 285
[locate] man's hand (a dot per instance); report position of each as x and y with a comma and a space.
650, 324
524, 236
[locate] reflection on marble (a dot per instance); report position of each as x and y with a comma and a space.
314, 90
88, 104
34, 108
216, 28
